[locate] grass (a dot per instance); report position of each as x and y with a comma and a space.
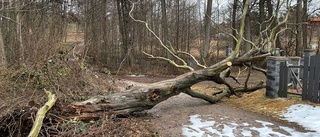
257, 102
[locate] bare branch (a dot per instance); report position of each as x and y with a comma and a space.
194, 59
240, 71
41, 114
170, 61
249, 41
234, 37
209, 98
10, 19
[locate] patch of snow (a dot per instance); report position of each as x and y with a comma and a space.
136, 75
246, 133
245, 124
305, 115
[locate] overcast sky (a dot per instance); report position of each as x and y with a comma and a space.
313, 5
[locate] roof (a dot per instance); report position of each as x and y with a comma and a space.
314, 19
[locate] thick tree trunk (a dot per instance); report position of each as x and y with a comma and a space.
145, 96
207, 27
233, 22
138, 97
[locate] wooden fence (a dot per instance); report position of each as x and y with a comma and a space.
311, 79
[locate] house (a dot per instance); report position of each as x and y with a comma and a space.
314, 21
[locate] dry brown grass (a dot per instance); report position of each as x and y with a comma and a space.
75, 37
257, 102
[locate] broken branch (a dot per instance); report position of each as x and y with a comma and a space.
41, 114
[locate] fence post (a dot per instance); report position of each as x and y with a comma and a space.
273, 75
283, 80
305, 85
228, 51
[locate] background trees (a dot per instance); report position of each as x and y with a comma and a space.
32, 31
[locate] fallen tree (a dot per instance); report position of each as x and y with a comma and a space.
145, 96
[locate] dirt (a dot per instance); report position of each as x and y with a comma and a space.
170, 116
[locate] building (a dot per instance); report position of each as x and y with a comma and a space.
314, 21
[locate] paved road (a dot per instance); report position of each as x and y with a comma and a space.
183, 115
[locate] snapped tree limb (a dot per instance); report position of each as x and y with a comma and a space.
41, 114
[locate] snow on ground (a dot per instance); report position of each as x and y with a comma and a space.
305, 115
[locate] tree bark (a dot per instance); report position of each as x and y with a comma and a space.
261, 11
164, 25
142, 97
207, 22
247, 35
299, 36
3, 60
19, 35
304, 25
233, 22
125, 27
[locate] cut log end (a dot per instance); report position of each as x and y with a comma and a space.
229, 63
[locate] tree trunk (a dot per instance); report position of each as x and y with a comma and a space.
177, 43
299, 37
233, 23
145, 96
19, 35
261, 11
247, 34
304, 25
269, 8
164, 25
3, 60
207, 22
